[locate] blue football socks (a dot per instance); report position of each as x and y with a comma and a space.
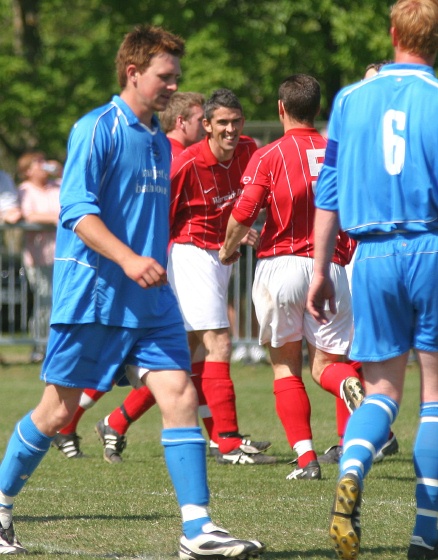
26, 448
367, 431
426, 471
184, 451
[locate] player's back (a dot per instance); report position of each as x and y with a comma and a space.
387, 158
288, 169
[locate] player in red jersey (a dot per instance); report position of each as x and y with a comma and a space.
182, 120
205, 182
281, 177
182, 123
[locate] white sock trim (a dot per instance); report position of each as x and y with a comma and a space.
303, 446
6, 500
190, 512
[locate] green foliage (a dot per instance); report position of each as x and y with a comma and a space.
60, 64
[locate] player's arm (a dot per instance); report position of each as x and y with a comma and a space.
229, 252
321, 288
146, 271
242, 217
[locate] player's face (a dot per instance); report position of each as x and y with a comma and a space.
158, 82
194, 128
224, 129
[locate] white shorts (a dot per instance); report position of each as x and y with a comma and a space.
200, 282
279, 295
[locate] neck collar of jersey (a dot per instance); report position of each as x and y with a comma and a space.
301, 131
394, 66
130, 117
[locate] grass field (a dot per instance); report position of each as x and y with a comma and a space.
87, 508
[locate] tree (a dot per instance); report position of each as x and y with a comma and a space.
58, 57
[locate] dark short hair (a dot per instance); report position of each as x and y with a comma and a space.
301, 97
377, 65
221, 98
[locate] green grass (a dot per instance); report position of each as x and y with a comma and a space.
89, 509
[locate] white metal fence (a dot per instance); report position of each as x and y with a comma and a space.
24, 313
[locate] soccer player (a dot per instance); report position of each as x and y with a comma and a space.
333, 454
39, 202
205, 184
112, 302
281, 177
181, 120
380, 183
374, 68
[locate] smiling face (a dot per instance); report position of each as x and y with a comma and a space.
150, 91
224, 130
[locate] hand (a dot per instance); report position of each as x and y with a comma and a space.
227, 259
321, 290
252, 238
56, 168
12, 216
146, 271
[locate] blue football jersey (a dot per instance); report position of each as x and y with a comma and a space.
381, 166
118, 169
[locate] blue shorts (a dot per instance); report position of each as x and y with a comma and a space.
395, 297
94, 356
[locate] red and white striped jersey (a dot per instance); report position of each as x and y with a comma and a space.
282, 178
204, 192
176, 147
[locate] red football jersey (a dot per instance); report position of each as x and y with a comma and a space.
204, 192
282, 177
176, 147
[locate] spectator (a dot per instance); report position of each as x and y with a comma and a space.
10, 211
39, 199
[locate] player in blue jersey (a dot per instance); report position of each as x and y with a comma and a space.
112, 302
380, 183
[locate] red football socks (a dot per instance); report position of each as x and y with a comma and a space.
89, 398
135, 405
334, 374
204, 410
293, 408
221, 399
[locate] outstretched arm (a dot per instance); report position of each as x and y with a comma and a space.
321, 288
